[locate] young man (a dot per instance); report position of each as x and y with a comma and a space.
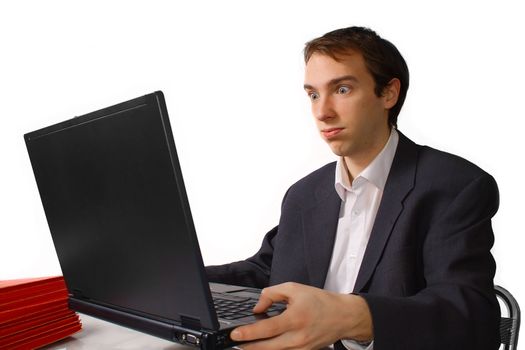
389, 246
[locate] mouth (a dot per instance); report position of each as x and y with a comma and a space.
331, 132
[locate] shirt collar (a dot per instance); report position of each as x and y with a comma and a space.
376, 172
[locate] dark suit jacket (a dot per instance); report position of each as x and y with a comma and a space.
427, 273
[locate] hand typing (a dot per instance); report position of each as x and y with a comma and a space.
314, 318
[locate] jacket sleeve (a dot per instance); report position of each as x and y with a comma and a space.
252, 272
457, 309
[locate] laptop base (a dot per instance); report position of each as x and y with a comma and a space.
202, 339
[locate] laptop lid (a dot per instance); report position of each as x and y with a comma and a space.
116, 205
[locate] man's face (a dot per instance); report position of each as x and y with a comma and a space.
349, 115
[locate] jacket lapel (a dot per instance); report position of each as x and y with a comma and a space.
319, 228
399, 183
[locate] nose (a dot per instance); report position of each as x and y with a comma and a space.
323, 109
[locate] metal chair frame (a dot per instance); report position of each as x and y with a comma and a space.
509, 325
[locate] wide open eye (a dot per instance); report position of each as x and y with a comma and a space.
313, 95
343, 90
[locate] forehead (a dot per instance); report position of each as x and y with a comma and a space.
321, 68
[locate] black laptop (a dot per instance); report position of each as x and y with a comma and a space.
113, 194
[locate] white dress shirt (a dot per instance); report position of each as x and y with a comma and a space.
360, 202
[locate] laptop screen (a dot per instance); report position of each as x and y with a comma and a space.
115, 202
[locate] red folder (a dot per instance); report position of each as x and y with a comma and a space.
26, 323
13, 289
39, 298
47, 339
34, 312
39, 331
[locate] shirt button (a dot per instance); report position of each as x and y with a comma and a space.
356, 212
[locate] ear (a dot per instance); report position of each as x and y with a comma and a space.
391, 93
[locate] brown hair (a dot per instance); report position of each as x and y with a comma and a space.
382, 58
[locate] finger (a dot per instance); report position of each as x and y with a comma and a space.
283, 341
262, 305
258, 345
265, 344
263, 329
270, 295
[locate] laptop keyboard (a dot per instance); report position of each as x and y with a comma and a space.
231, 307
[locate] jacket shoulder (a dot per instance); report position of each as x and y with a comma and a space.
314, 186
433, 161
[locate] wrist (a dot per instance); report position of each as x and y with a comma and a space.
356, 319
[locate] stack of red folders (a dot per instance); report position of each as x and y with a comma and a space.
34, 312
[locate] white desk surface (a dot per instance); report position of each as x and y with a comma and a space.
102, 335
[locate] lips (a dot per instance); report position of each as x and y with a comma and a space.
331, 132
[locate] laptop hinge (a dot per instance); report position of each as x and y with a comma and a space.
190, 322
77, 293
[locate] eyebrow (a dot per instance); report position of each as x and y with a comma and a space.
333, 81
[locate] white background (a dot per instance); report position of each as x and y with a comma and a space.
232, 74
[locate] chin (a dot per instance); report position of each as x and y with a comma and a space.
338, 148
337, 151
